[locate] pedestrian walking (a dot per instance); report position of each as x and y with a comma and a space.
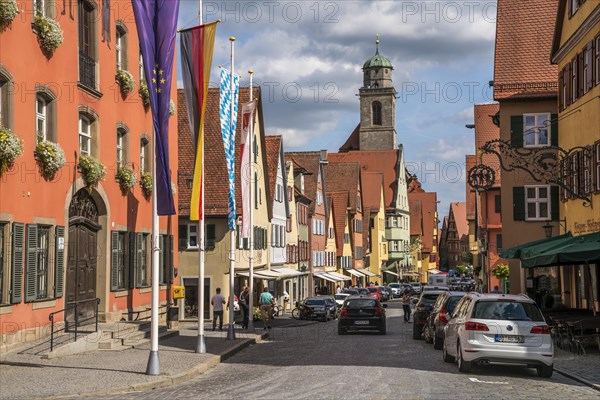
406, 305
244, 303
266, 302
217, 302
338, 290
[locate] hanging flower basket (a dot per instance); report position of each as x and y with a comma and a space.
50, 36
172, 108
146, 184
145, 95
8, 11
50, 157
125, 81
92, 170
126, 178
11, 147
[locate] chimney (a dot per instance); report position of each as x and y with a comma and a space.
323, 157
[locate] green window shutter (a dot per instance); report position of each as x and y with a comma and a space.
554, 203
554, 130
31, 266
114, 261
211, 237
516, 130
183, 236
138, 258
518, 203
170, 259
132, 265
16, 282
59, 261
161, 259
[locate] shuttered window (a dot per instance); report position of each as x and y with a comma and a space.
142, 270
59, 261
119, 274
37, 267
519, 203
4, 243
18, 246
516, 131
211, 237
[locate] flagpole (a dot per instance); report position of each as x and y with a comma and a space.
153, 367
201, 342
231, 330
250, 145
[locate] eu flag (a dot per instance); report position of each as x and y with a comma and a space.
156, 22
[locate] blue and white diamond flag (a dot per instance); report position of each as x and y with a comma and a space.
228, 123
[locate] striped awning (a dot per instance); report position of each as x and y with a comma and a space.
367, 272
339, 276
327, 277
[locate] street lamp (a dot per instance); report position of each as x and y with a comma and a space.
548, 229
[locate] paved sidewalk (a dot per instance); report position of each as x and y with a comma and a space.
584, 368
26, 376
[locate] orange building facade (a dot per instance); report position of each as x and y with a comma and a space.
65, 242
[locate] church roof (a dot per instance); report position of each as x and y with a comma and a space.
377, 61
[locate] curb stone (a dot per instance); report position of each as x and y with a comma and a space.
181, 377
578, 379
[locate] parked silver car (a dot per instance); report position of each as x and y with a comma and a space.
497, 328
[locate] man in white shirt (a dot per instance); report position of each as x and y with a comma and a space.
217, 302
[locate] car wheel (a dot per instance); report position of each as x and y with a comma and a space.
341, 331
545, 371
416, 330
437, 342
463, 366
383, 330
427, 335
447, 357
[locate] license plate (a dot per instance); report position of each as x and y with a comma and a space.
361, 322
510, 339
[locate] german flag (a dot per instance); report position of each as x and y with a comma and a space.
196, 59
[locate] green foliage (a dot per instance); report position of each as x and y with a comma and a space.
11, 147
92, 171
461, 269
125, 81
146, 184
49, 156
145, 95
501, 271
50, 36
126, 178
8, 11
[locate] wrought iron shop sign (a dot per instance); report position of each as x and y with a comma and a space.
481, 177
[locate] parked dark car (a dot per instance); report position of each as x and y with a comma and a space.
362, 313
332, 305
351, 291
433, 330
422, 310
363, 291
318, 308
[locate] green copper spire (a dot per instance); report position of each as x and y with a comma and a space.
377, 61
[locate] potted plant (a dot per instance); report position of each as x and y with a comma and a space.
50, 36
145, 95
11, 147
146, 184
8, 12
126, 178
49, 156
501, 272
126, 82
92, 171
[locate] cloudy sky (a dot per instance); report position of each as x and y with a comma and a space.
308, 55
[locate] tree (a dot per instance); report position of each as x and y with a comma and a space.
501, 272
461, 269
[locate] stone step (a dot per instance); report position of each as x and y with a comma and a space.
134, 337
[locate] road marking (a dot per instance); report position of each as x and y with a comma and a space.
493, 383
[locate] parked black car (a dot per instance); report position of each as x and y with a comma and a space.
318, 308
422, 310
433, 330
362, 313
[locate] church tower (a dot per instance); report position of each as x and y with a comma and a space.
377, 104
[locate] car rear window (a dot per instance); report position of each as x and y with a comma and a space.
507, 310
452, 302
361, 303
340, 296
372, 289
315, 302
429, 299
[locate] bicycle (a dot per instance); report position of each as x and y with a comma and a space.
301, 312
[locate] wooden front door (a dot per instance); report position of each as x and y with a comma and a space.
81, 258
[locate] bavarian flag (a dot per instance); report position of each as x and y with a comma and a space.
196, 58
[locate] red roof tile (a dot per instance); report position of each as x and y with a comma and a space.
423, 207
485, 131
272, 152
385, 161
340, 209
353, 141
459, 210
343, 177
371, 189
524, 32
309, 160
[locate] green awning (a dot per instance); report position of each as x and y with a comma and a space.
574, 251
515, 252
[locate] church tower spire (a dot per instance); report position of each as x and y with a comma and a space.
377, 104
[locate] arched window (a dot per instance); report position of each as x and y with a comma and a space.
45, 114
122, 144
376, 113
145, 155
121, 45
6, 98
88, 132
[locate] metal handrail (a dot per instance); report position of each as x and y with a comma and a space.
76, 319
